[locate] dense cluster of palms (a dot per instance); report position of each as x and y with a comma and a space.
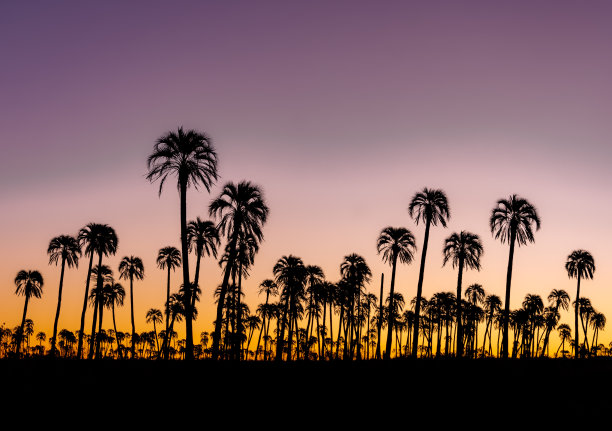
303, 316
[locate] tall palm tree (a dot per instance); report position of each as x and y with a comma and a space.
565, 333
242, 210
203, 238
98, 300
357, 274
270, 288
29, 284
129, 268
155, 316
428, 206
512, 221
463, 250
68, 249
580, 264
101, 239
394, 243
168, 258
190, 156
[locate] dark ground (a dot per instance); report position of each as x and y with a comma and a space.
513, 392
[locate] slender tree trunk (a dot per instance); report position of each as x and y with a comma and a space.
119, 350
380, 316
21, 328
507, 301
132, 312
196, 278
167, 304
391, 309
221, 303
82, 327
99, 283
186, 283
576, 328
263, 324
417, 311
459, 348
59, 304
280, 339
99, 341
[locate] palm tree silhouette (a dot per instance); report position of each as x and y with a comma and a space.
101, 239
463, 250
512, 221
394, 243
270, 288
356, 272
115, 294
428, 206
290, 274
565, 333
98, 298
29, 284
155, 316
129, 268
242, 210
170, 258
191, 157
203, 238
558, 299
68, 249
580, 264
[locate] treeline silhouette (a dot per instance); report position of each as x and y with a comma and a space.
304, 315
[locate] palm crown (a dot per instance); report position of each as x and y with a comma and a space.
396, 243
168, 257
187, 154
64, 247
98, 238
131, 267
29, 284
514, 215
202, 237
431, 206
581, 264
463, 247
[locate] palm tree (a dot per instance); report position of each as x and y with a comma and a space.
394, 243
580, 264
101, 239
68, 249
115, 295
242, 210
203, 238
155, 316
463, 250
191, 157
512, 221
356, 272
170, 258
268, 287
290, 274
430, 207
130, 268
29, 284
565, 333
492, 305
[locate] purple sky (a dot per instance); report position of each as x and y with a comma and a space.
340, 110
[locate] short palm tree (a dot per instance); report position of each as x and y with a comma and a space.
463, 250
29, 284
512, 221
168, 258
131, 268
203, 238
580, 264
116, 295
241, 210
428, 206
101, 239
155, 316
395, 243
190, 156
67, 249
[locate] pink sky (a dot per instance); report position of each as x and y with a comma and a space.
341, 112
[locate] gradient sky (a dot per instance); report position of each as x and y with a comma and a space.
341, 111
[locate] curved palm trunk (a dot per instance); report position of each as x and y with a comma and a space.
186, 284
168, 301
92, 340
99, 341
119, 351
507, 300
82, 327
576, 328
59, 304
196, 278
263, 324
131, 312
379, 323
221, 303
391, 307
459, 348
23, 319
417, 311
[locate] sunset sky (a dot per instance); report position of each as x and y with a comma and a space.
339, 110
